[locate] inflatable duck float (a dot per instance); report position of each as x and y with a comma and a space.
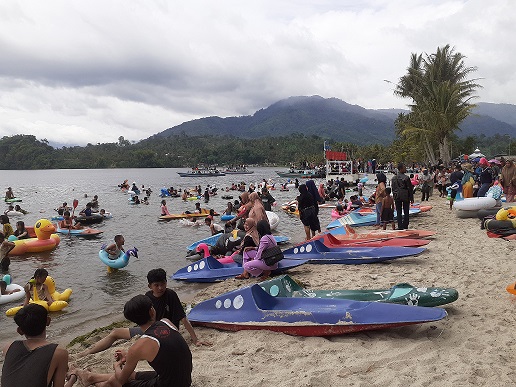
60, 299
45, 239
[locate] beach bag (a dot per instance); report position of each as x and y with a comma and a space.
272, 255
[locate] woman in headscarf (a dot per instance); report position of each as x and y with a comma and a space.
306, 207
253, 262
250, 241
257, 211
468, 180
310, 185
508, 180
243, 211
379, 194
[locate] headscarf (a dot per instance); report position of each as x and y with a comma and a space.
310, 185
245, 204
253, 232
257, 212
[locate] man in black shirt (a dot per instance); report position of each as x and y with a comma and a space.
161, 345
403, 194
167, 305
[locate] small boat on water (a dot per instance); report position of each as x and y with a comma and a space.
202, 172
285, 286
302, 174
252, 308
238, 171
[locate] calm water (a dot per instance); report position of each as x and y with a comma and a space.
98, 297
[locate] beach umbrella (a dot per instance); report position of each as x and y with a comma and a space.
495, 161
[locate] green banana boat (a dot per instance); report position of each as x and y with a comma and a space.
285, 286
12, 200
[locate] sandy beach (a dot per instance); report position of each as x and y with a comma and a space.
472, 346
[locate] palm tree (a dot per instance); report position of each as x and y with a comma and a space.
441, 94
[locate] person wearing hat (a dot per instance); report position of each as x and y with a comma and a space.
485, 177
508, 180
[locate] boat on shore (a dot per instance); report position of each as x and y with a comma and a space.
254, 308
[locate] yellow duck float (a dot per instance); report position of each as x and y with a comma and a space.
60, 299
45, 240
507, 213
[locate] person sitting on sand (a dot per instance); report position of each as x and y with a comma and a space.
162, 347
67, 222
166, 304
35, 361
253, 264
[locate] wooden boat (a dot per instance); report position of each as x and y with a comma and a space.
285, 286
210, 269
302, 174
316, 252
252, 308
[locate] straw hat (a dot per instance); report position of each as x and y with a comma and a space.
467, 167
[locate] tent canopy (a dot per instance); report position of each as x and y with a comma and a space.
476, 154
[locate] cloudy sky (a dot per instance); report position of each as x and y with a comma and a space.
77, 72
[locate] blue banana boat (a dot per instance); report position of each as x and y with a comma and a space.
211, 270
317, 252
253, 308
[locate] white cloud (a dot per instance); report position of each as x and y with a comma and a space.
76, 72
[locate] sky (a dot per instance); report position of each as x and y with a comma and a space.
77, 72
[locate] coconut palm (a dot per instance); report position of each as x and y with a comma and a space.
441, 94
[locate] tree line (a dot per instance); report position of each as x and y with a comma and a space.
26, 152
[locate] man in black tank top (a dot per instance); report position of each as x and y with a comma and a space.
161, 345
34, 362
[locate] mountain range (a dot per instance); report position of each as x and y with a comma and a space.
335, 119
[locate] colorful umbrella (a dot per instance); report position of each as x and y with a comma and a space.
495, 161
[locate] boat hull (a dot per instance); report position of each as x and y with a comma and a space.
253, 308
